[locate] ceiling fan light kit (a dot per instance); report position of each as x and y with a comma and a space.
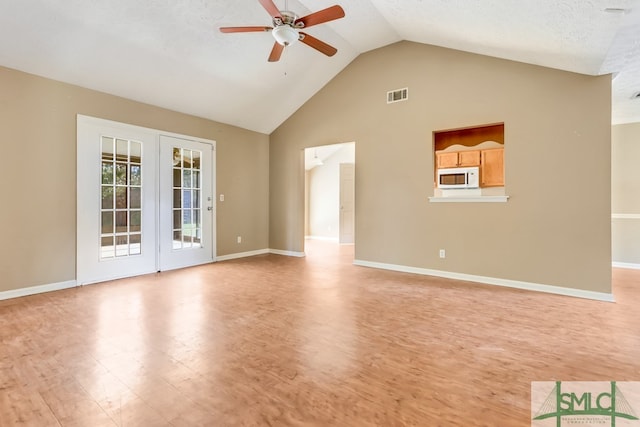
285, 35
286, 26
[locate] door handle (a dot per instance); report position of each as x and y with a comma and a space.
209, 208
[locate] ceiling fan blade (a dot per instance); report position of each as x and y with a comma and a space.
318, 45
321, 16
276, 52
271, 8
244, 29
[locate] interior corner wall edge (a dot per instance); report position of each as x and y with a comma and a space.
557, 128
38, 141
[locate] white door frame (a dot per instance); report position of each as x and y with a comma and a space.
347, 206
81, 225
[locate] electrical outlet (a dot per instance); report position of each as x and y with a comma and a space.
239, 239
442, 253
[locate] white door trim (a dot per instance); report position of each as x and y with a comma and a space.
346, 220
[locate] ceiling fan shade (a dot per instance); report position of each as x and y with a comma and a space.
286, 28
285, 35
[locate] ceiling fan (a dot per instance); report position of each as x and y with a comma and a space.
287, 25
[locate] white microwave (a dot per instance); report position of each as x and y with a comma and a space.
459, 177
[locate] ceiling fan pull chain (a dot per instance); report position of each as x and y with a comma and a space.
285, 66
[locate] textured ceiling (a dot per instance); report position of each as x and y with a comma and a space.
169, 52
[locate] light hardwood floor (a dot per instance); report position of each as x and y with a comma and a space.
316, 341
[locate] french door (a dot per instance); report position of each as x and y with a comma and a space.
144, 201
186, 202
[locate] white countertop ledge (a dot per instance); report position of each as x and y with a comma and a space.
469, 199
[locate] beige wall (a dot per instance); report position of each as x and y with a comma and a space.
625, 193
547, 233
38, 141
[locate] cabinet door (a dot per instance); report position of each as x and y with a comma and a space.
492, 168
469, 158
447, 160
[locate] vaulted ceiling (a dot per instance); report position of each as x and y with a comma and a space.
170, 53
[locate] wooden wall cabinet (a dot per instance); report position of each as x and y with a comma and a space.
447, 160
492, 168
458, 159
469, 158
491, 164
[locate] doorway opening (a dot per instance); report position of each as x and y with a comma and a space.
330, 194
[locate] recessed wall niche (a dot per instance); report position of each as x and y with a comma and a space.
479, 149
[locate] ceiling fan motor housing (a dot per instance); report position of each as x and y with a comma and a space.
288, 18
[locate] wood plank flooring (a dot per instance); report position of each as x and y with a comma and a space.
315, 341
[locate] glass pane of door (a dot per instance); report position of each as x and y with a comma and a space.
187, 204
121, 190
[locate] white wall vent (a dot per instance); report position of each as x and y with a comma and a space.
398, 95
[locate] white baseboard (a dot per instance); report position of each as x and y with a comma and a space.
579, 293
624, 216
242, 255
625, 265
287, 253
259, 252
23, 292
